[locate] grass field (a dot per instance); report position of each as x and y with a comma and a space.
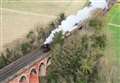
114, 29
109, 67
112, 59
20, 16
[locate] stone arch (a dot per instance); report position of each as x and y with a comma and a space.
23, 79
48, 61
48, 64
42, 73
42, 70
33, 76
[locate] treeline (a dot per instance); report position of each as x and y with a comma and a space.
33, 40
74, 60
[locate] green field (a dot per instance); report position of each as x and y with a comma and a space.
109, 71
114, 15
112, 70
114, 29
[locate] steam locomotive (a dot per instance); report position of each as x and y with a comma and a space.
73, 22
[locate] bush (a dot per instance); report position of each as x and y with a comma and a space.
25, 48
99, 41
3, 61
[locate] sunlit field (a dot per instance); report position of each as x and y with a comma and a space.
20, 16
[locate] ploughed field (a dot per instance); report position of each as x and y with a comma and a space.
20, 16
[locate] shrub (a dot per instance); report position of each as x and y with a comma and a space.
3, 61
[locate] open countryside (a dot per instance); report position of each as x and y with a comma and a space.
66, 41
29, 14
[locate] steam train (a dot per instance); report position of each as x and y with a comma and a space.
73, 22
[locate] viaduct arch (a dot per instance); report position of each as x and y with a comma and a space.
33, 74
28, 69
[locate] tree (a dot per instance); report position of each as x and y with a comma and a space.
25, 48
60, 18
40, 35
7, 56
67, 62
3, 61
31, 36
74, 59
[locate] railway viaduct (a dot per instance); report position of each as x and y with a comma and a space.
28, 69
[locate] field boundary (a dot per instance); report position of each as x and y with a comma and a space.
62, 1
27, 13
116, 25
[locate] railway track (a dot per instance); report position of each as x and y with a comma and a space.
14, 67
